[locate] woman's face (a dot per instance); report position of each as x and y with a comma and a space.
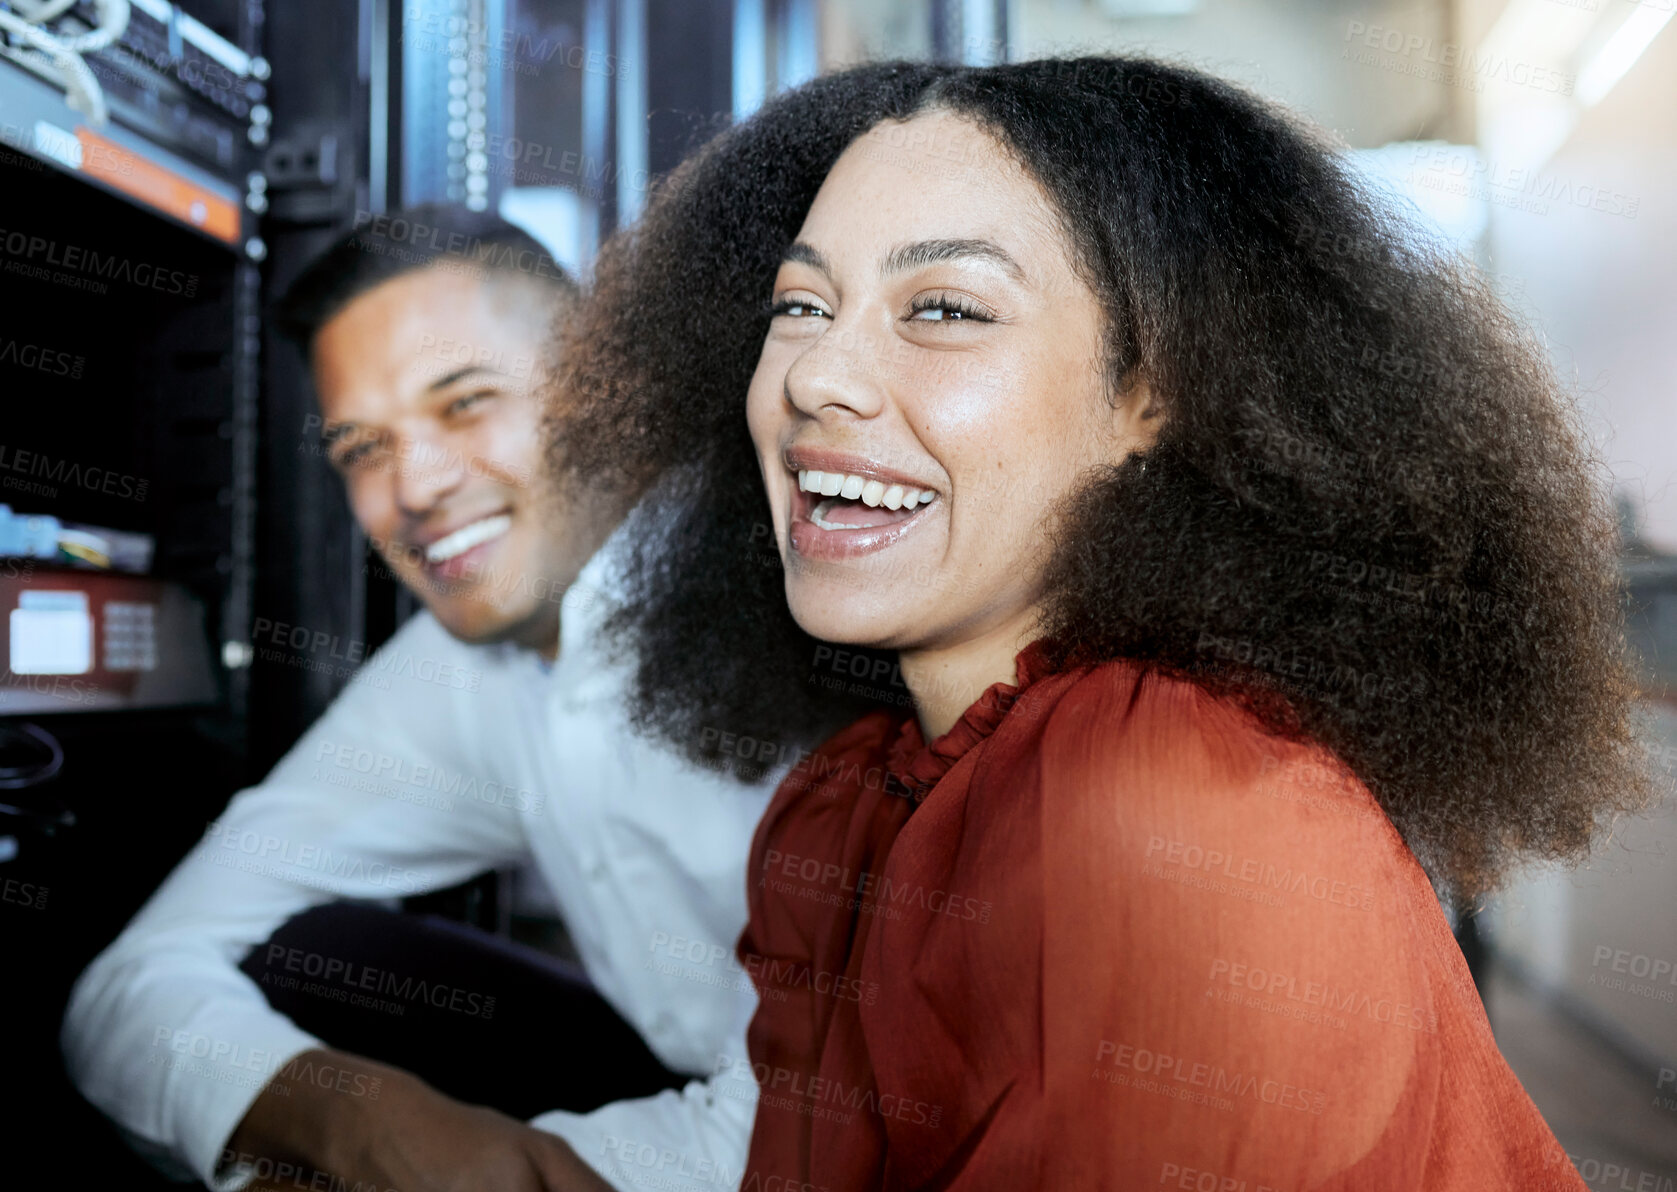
933, 348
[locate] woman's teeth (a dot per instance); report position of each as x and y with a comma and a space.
466, 537
857, 488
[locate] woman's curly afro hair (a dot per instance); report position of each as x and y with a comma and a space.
1371, 514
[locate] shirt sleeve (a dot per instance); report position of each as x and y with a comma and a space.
1233, 995
697, 1138
163, 1032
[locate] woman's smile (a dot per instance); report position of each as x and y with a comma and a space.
845, 505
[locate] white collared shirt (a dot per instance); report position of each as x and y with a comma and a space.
439, 761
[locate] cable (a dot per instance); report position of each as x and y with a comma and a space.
15, 777
81, 89
41, 13
113, 22
49, 816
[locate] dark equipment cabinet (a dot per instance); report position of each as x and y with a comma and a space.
140, 392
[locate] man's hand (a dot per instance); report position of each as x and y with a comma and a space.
349, 1118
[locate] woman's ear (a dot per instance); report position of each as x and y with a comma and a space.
1137, 415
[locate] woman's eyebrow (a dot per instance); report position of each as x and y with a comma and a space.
927, 252
912, 256
806, 254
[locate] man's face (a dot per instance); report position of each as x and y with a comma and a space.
429, 387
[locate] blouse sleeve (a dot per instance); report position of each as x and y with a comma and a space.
830, 822
1234, 995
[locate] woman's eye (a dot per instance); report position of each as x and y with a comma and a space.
942, 308
797, 308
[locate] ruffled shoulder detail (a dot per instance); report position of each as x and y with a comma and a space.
915, 767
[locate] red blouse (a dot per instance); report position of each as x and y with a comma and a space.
1108, 933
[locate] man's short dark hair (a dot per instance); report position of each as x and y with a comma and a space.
381, 248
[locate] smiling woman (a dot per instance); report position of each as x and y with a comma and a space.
965, 268
1251, 581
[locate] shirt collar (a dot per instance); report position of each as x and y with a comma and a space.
916, 767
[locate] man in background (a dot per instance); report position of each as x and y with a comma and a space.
248, 1024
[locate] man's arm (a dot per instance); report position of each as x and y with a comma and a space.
697, 1138
163, 1032
410, 1137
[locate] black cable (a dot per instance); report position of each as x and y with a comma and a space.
14, 777
35, 739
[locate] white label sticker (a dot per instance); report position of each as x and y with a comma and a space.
51, 634
59, 144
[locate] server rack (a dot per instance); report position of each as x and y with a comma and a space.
145, 201
150, 209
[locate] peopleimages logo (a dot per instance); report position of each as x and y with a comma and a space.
428, 776
52, 361
1211, 1079
1451, 62
265, 853
1651, 977
39, 251
772, 977
1412, 1014
63, 471
656, 1160
352, 975
1451, 170
425, 237
1253, 871
512, 46
865, 888
1196, 1179
824, 1096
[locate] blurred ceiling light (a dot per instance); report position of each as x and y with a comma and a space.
1621, 51
1148, 8
751, 53
1538, 31
982, 25
775, 47
1529, 98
